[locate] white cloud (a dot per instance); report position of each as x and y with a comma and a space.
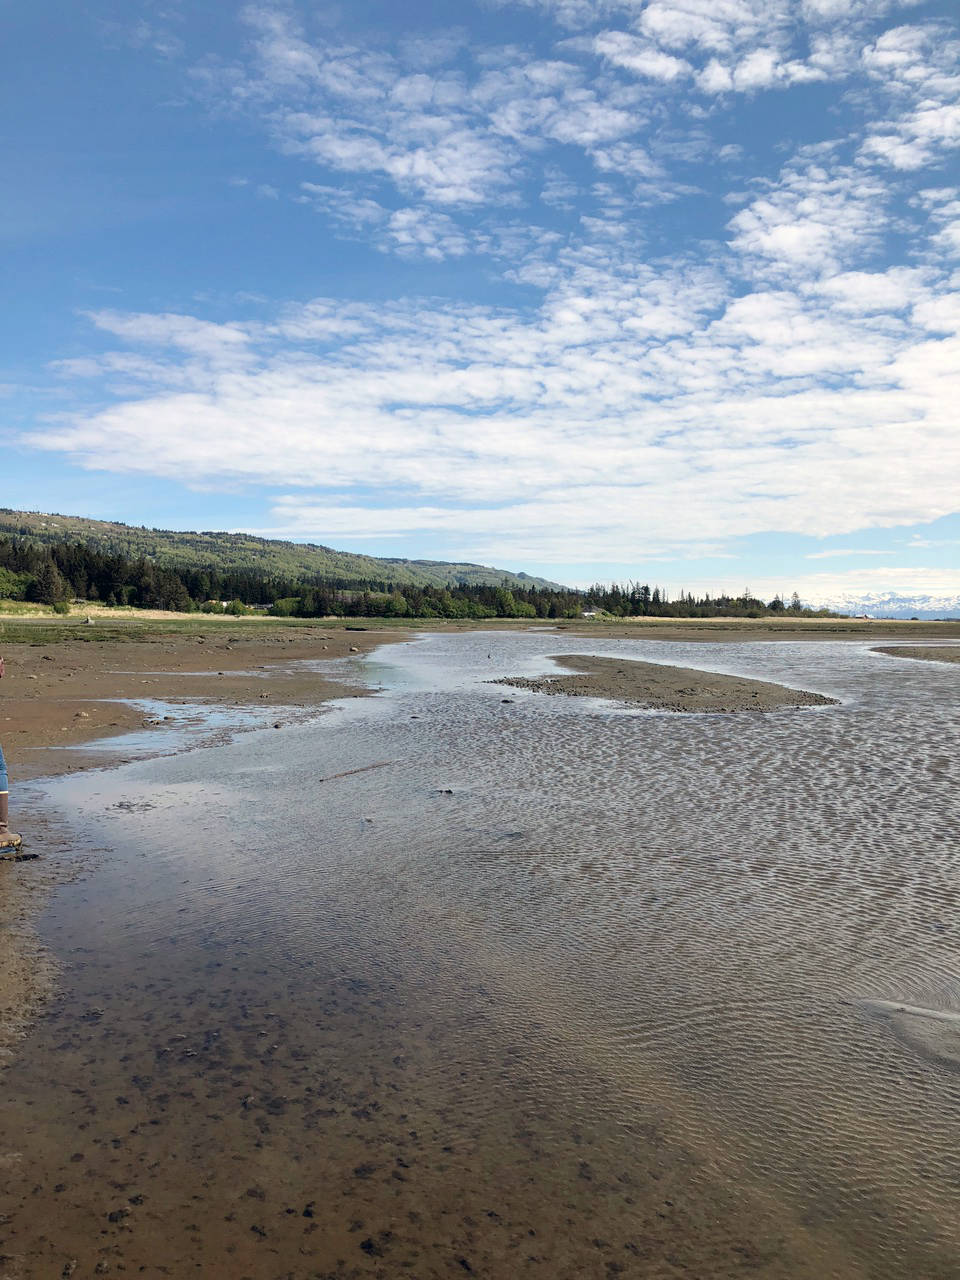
352, 212
947, 240
558, 190
715, 77
758, 70
862, 587
641, 406
815, 218
214, 342
874, 292
840, 552
455, 166
917, 68
717, 26
640, 56
729, 45
159, 37
410, 232
447, 124
419, 232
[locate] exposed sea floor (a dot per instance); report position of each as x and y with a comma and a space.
461, 980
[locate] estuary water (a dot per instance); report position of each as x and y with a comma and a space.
459, 979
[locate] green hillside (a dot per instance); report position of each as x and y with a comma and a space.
240, 551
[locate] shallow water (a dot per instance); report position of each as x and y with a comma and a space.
185, 725
558, 988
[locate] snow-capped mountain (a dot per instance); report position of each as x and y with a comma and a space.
888, 604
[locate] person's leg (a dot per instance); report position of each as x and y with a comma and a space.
4, 815
8, 838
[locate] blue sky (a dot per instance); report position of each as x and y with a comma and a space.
665, 289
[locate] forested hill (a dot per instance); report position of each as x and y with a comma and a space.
242, 552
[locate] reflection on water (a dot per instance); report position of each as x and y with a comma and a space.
185, 725
560, 989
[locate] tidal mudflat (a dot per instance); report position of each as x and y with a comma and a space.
560, 988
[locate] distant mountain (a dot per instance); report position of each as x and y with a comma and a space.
887, 604
238, 551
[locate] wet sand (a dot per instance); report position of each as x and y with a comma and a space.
931, 653
211, 1115
27, 971
55, 697
663, 688
61, 695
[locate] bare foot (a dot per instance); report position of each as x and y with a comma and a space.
10, 840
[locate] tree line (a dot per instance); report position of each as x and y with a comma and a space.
55, 573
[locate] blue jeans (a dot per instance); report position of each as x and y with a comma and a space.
4, 783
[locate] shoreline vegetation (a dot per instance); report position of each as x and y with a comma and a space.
244, 554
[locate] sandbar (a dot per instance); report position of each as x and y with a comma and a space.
931, 653
664, 688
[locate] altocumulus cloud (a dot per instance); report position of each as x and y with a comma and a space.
778, 368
